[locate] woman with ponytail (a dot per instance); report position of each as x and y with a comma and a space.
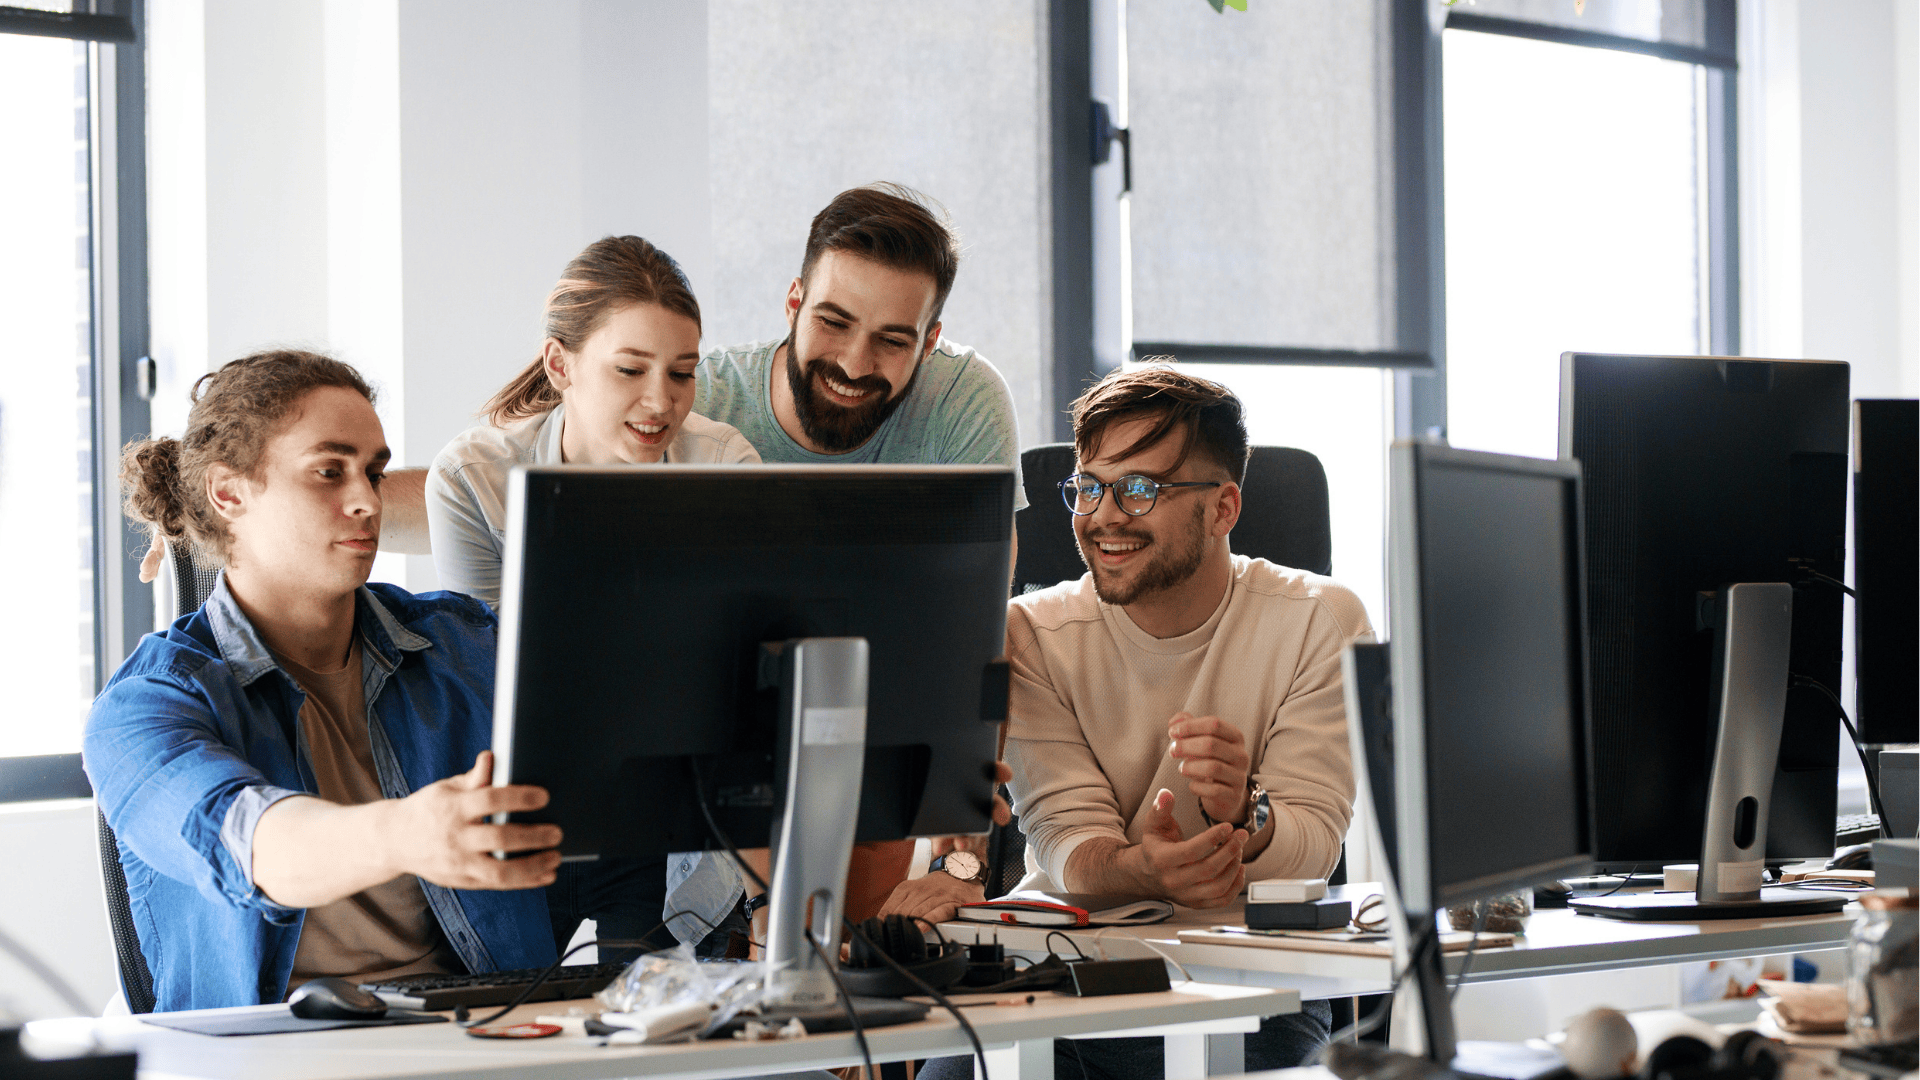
613, 385
298, 772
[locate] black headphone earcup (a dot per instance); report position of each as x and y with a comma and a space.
905, 942
869, 935
1678, 1055
1748, 1053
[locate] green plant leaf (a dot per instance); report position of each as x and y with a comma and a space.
1237, 5
1218, 5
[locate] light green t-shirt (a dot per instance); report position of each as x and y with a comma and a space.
958, 412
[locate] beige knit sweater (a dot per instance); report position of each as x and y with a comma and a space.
1093, 694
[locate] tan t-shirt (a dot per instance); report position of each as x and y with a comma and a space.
386, 931
1092, 696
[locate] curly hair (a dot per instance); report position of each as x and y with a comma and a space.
236, 411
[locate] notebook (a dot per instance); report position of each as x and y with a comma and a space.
1066, 909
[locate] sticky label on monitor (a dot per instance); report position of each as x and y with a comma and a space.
833, 727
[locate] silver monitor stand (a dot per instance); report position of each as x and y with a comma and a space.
1753, 636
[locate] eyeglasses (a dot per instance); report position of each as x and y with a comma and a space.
1136, 493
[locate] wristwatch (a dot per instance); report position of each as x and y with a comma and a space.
1259, 809
960, 866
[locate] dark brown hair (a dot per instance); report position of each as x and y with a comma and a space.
611, 273
893, 225
1207, 414
236, 410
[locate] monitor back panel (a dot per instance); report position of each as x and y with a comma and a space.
636, 604
1703, 472
1886, 570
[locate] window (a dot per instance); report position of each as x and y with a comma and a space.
63, 332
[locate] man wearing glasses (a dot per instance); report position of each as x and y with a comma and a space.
1176, 726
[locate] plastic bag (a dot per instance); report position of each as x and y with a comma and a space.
675, 977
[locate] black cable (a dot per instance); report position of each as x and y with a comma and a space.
641, 942
700, 797
1481, 909
1873, 781
1047, 942
846, 1002
1624, 882
979, 1052
1370, 1023
1833, 581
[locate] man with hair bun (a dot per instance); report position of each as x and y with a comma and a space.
1176, 725
298, 773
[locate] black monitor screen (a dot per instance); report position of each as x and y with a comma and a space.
1502, 649
636, 605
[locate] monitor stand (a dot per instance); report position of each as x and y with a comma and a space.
822, 748
1753, 635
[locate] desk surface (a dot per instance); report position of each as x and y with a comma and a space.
1556, 942
426, 1051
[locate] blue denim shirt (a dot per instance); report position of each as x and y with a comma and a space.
198, 734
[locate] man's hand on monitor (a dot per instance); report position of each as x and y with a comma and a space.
1213, 758
934, 897
441, 833
1202, 872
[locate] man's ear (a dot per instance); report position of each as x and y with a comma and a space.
933, 338
228, 491
1226, 509
796, 293
555, 362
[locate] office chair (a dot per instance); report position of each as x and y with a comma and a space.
1284, 518
184, 584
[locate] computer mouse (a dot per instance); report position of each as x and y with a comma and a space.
1551, 894
335, 999
1859, 857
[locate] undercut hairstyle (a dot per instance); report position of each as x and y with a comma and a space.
893, 225
611, 273
236, 412
1204, 415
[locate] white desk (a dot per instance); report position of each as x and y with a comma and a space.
1019, 1041
1557, 942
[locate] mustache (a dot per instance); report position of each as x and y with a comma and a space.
820, 365
1109, 534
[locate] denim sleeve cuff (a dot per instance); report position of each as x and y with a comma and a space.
236, 834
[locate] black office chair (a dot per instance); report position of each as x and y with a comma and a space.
1284, 519
187, 581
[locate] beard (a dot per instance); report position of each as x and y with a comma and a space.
1169, 562
834, 427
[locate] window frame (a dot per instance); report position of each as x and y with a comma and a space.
121, 368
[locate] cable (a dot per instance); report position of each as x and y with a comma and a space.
1047, 942
1632, 870
1150, 946
1481, 909
1370, 1023
846, 1002
979, 1051
1873, 781
719, 834
1833, 581
460, 1013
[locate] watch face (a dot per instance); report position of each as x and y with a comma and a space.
964, 865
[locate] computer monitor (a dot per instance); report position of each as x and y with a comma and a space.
637, 605
1488, 669
1488, 674
1886, 569
1701, 472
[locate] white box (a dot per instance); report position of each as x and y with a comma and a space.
1286, 890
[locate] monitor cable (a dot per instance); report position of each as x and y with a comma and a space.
1873, 781
1481, 908
1834, 582
725, 841
460, 1012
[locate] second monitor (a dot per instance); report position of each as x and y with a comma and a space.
642, 614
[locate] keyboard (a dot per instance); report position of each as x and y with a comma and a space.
437, 992
1855, 829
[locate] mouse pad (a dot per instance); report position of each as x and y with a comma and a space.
278, 1023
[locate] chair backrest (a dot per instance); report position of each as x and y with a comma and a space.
186, 580
1283, 517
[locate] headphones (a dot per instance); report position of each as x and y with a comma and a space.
1747, 1055
898, 937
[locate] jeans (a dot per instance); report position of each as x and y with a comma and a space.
1281, 1043
624, 898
